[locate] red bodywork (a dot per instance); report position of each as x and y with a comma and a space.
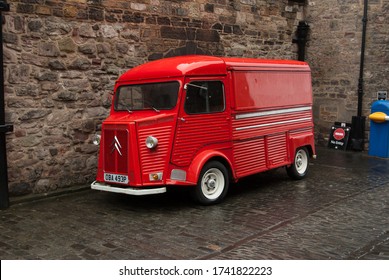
267, 115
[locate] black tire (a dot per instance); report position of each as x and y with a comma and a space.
300, 166
212, 185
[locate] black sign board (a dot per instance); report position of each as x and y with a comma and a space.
339, 136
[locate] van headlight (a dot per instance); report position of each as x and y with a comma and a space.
151, 142
96, 139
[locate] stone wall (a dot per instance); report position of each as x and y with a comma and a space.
63, 57
334, 51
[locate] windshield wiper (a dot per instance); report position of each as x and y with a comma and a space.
194, 85
151, 106
155, 109
128, 109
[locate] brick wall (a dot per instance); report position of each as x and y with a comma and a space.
63, 57
334, 52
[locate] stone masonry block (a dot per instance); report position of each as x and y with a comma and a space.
173, 33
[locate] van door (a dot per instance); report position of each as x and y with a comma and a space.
204, 119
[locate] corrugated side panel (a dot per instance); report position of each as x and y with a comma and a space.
263, 125
196, 132
277, 150
249, 156
303, 131
154, 160
115, 161
272, 127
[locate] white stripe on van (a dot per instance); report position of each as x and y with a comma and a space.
272, 112
274, 123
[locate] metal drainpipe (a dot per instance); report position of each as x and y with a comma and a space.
358, 122
362, 63
301, 39
4, 128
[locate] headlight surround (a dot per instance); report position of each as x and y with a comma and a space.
151, 142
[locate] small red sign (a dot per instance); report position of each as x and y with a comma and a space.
339, 134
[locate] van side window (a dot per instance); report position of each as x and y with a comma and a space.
204, 97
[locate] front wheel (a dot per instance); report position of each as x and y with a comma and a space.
212, 185
299, 168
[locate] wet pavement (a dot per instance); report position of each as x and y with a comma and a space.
340, 211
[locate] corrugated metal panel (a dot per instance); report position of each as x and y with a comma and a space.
277, 150
302, 131
154, 160
263, 125
196, 132
272, 129
249, 156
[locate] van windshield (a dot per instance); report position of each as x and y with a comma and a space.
155, 96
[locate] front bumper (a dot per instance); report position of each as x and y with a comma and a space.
126, 190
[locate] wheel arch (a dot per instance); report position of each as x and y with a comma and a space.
310, 150
203, 158
297, 142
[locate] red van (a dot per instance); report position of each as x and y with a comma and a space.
203, 122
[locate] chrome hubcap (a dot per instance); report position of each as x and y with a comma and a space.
301, 161
212, 183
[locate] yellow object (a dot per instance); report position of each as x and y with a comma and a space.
379, 117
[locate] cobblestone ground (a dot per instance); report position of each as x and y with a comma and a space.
339, 212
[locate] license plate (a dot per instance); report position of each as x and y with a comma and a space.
115, 178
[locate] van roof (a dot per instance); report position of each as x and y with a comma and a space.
200, 65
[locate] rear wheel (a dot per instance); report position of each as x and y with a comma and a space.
299, 168
212, 185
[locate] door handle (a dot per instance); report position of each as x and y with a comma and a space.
182, 119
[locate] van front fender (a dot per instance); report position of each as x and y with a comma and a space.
201, 159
